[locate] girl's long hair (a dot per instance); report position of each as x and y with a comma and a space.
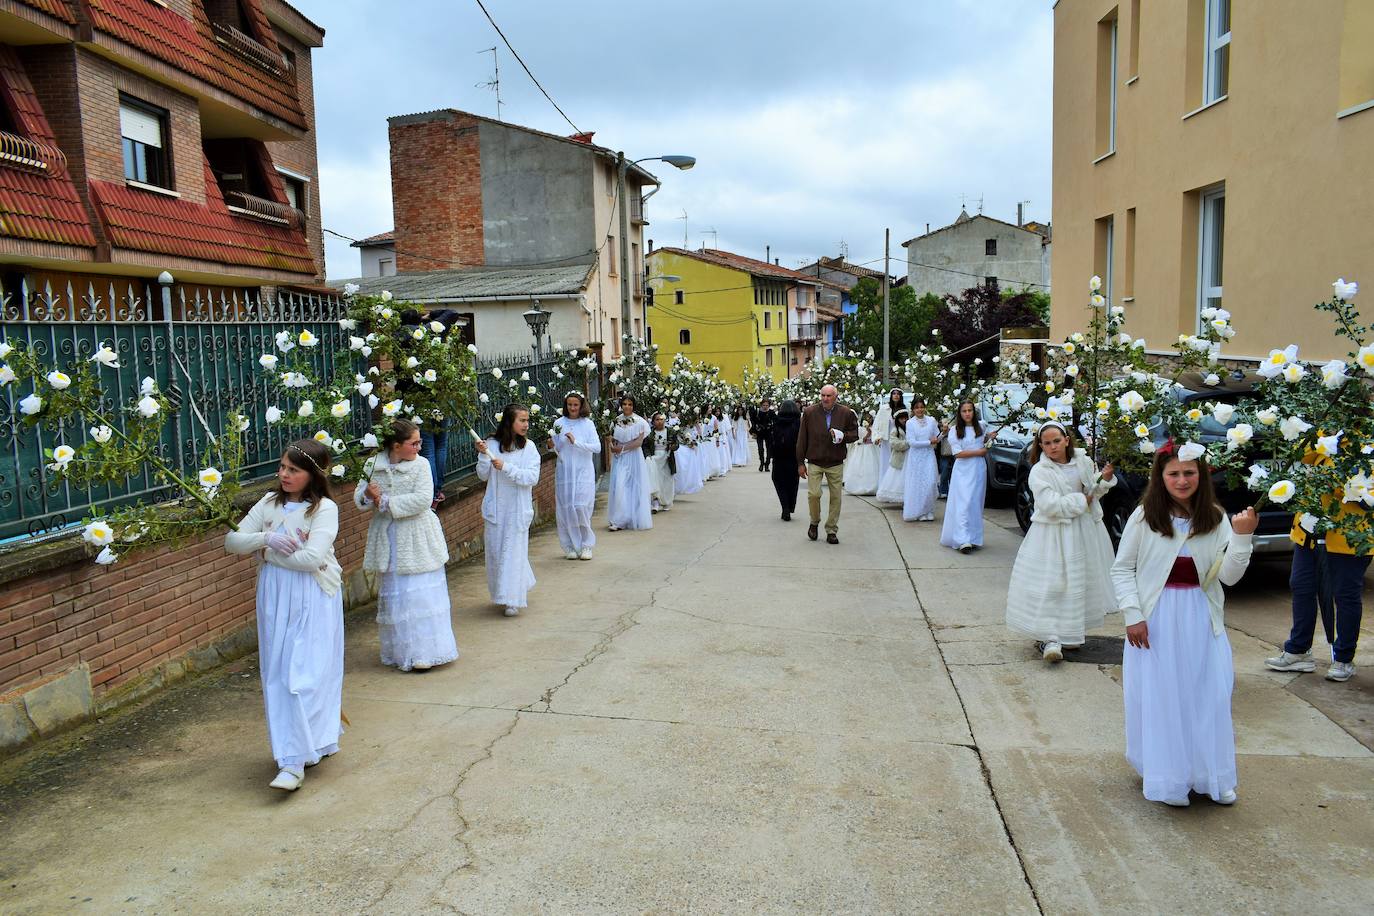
898, 402
505, 431
312, 457
1036, 451
581, 400
788, 408
959, 425
1158, 506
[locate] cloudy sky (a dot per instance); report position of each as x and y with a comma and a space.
812, 123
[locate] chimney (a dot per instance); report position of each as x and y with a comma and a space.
651, 246
927, 228
777, 262
767, 253
1020, 214
436, 190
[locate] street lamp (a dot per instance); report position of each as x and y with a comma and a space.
538, 320
622, 170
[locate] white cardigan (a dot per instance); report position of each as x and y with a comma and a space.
1055, 502
1144, 559
407, 492
316, 554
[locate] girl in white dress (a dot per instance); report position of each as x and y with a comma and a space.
892, 485
662, 460
1061, 582
299, 609
1177, 551
885, 425
723, 428
921, 486
739, 438
509, 463
861, 470
628, 502
405, 544
577, 443
688, 479
963, 528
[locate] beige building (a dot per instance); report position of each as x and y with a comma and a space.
1211, 154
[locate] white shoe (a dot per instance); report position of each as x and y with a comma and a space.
421, 666
1289, 661
512, 612
1053, 652
586, 554
570, 555
1226, 798
287, 781
966, 548
1340, 671
614, 527
1177, 803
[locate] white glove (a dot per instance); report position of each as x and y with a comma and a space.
837, 435
283, 544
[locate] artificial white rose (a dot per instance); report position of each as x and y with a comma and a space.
1071, 371
1222, 413
1328, 445
483, 397
386, 313
1257, 474
431, 375
436, 327
6, 375
308, 339
1268, 416
534, 409
337, 470
412, 363
5, 349
1095, 283
1293, 427
1359, 489
1275, 362
101, 434
284, 341
1145, 446
364, 388
1141, 430
147, 386
391, 408
386, 295
369, 440
273, 415
148, 406
59, 380
340, 410
268, 361
322, 437
106, 357
62, 456
306, 409
1212, 380
98, 533
106, 557
355, 342
1191, 451
1333, 374
1345, 291
347, 324
472, 348
1282, 491
351, 289
373, 401
1239, 435
1365, 358
1131, 401
1293, 373
524, 376
209, 478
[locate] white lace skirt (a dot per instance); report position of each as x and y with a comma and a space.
1178, 702
414, 624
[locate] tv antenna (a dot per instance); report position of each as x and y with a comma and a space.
715, 237
494, 84
683, 217
844, 250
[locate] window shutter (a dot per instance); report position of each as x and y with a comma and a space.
140, 126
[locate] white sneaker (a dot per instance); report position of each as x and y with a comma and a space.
1226, 798
1287, 661
421, 666
613, 527
1340, 671
512, 612
570, 555
966, 548
586, 554
1053, 652
1177, 803
287, 781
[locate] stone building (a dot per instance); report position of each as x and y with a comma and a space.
978, 250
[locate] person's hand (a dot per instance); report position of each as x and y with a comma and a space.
1245, 522
1138, 635
801, 471
373, 492
934, 440
497, 463
570, 438
1108, 472
482, 446
837, 436
283, 544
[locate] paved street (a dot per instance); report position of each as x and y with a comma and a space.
715, 716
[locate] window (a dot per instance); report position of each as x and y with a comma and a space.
386, 267
1106, 85
648, 295
684, 337
649, 338
767, 321
613, 263
297, 191
143, 129
1216, 66
1128, 280
990, 282
1133, 54
768, 357
678, 296
781, 324
1211, 238
990, 248
1104, 247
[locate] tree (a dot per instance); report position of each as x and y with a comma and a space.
980, 312
908, 328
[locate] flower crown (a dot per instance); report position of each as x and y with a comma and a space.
302, 452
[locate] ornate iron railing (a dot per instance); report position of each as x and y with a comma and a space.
251, 50
262, 208
21, 152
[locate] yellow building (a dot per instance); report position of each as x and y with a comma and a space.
1213, 153
725, 310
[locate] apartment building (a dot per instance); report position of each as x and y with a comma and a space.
138, 137
491, 215
1213, 153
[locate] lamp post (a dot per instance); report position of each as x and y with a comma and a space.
538, 320
622, 170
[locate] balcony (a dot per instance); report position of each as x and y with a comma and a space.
800, 333
252, 51
638, 285
637, 211
244, 204
30, 156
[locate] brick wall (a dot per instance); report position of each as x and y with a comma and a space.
127, 620
300, 156
436, 191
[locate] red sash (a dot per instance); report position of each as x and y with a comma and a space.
1183, 575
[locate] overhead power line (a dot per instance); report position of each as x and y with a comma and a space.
520, 60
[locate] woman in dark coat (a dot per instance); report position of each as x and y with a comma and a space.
784, 457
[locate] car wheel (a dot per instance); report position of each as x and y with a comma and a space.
1025, 502
1114, 517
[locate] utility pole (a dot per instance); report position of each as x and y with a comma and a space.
626, 325
887, 272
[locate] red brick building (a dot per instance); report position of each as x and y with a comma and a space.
138, 136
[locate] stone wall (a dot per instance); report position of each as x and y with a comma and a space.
77, 639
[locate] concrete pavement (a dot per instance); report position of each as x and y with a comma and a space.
714, 716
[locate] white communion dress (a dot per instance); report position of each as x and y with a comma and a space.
967, 488
921, 478
507, 510
861, 470
628, 502
661, 485
574, 484
892, 483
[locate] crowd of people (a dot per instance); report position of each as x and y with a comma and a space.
1177, 551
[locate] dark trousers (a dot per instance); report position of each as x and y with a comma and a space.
946, 469
764, 452
1344, 579
434, 449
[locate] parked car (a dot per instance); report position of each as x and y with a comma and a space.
1121, 500
1012, 439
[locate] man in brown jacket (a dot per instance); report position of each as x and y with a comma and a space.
827, 429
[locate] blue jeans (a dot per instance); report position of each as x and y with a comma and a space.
946, 469
434, 449
1344, 580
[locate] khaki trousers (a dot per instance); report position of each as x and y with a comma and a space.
834, 478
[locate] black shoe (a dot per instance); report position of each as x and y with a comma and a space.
787, 516
831, 537
813, 532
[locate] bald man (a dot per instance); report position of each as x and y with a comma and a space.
827, 428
